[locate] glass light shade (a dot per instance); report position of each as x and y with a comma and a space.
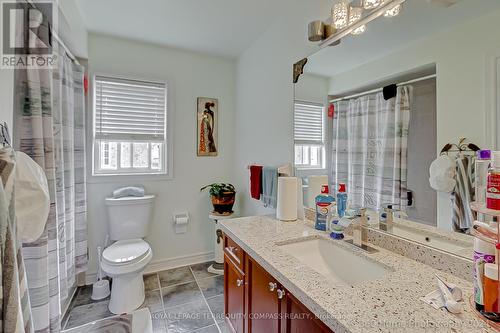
394, 11
371, 4
355, 14
340, 14
359, 31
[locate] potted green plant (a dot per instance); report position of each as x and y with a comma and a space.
223, 196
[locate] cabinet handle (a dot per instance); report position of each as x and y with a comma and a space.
239, 282
232, 252
281, 293
272, 286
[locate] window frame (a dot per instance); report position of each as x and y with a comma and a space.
322, 145
128, 174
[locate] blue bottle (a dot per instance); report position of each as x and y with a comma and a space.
324, 205
341, 200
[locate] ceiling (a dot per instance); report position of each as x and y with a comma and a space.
383, 36
219, 27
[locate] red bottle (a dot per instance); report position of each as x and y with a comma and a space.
493, 186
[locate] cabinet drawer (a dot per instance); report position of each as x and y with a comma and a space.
234, 296
234, 252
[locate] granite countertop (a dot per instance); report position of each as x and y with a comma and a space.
389, 304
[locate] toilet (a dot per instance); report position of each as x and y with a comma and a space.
126, 259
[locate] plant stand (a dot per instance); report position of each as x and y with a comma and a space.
218, 266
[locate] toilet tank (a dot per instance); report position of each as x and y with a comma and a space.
129, 217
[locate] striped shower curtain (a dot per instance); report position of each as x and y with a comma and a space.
50, 128
369, 150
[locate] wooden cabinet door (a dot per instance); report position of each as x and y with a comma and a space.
263, 305
234, 295
296, 318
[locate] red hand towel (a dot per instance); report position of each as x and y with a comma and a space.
255, 181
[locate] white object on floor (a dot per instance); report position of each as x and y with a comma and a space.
141, 321
181, 221
100, 289
126, 259
218, 266
32, 201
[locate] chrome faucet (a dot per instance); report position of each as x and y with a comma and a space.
386, 217
360, 231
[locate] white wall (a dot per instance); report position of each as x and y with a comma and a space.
7, 96
265, 94
464, 58
72, 28
189, 76
312, 88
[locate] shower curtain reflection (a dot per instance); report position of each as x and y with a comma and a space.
369, 150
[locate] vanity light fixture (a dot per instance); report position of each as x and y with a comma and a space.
356, 23
340, 14
372, 4
355, 14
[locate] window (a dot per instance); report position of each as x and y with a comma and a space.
129, 126
309, 137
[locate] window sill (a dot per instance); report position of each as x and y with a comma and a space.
121, 178
309, 169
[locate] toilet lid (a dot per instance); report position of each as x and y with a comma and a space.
125, 251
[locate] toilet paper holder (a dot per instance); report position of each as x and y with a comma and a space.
181, 220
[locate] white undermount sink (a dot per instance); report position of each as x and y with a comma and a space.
334, 262
422, 237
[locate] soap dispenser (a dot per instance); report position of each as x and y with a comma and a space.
341, 200
324, 204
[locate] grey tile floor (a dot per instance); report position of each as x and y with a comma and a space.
181, 300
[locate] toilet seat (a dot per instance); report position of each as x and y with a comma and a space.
125, 252
126, 257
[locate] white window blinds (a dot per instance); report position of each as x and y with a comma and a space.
129, 109
308, 123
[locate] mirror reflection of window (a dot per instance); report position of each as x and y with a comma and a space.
309, 135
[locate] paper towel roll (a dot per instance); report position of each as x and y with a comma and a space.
287, 199
314, 189
300, 200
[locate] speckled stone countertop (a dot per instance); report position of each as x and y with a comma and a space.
389, 304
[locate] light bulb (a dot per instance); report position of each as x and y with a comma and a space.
394, 11
371, 4
355, 14
340, 14
359, 31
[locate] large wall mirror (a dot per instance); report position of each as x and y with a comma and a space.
375, 111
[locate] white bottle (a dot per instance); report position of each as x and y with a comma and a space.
484, 252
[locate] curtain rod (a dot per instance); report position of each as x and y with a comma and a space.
380, 89
56, 36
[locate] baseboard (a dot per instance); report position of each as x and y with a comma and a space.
164, 264
169, 263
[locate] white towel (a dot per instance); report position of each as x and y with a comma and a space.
442, 183
442, 174
32, 199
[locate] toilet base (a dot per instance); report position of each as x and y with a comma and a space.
127, 293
